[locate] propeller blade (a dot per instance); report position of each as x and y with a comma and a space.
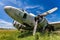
35, 27
49, 11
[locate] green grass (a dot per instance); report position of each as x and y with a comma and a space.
16, 35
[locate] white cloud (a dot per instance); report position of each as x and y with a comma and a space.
53, 16
34, 6
19, 3
5, 24
2, 4
13, 1
41, 7
30, 7
38, 12
25, 4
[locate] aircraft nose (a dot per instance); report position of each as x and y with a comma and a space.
7, 8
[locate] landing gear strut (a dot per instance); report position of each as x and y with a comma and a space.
50, 28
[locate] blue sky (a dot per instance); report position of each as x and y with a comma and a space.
31, 6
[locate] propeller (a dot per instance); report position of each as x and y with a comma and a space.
36, 24
35, 27
49, 11
41, 15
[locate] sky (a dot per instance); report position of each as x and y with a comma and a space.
31, 6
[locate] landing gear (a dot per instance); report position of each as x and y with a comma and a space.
49, 28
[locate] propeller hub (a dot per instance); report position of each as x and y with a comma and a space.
39, 18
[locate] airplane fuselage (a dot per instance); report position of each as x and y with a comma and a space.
23, 17
29, 21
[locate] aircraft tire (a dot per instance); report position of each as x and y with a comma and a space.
49, 28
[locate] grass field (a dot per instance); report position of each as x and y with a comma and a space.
16, 35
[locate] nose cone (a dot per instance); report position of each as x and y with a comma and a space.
14, 12
7, 8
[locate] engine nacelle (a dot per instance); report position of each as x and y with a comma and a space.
18, 25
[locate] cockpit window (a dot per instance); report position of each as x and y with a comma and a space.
25, 15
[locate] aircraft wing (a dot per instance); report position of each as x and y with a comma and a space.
55, 24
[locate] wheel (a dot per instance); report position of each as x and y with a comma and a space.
49, 28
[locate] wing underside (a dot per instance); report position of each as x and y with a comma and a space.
56, 25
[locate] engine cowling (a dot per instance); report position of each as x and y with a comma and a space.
18, 25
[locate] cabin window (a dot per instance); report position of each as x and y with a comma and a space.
25, 15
